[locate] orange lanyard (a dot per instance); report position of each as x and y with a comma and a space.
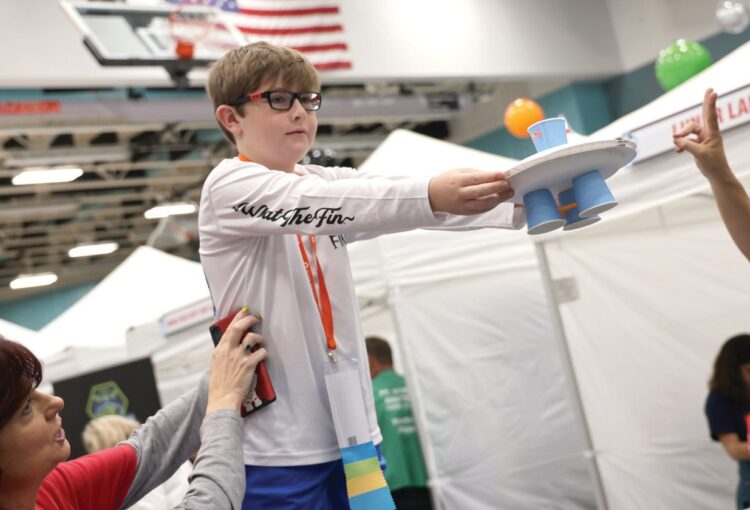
321, 297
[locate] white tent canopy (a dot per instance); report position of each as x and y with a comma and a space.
640, 304
659, 286
13, 331
92, 333
474, 338
147, 284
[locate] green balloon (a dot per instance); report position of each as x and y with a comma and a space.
680, 61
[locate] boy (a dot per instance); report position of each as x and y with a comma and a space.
273, 235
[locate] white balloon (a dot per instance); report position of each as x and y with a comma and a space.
732, 16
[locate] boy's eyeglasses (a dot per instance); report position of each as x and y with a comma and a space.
283, 99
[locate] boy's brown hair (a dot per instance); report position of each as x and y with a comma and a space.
244, 70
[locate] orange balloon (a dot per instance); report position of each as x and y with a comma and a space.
520, 114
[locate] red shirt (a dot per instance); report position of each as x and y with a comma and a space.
98, 481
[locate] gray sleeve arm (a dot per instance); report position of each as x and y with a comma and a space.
218, 479
166, 440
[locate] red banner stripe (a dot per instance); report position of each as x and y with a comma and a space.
321, 47
329, 66
30, 107
290, 12
292, 31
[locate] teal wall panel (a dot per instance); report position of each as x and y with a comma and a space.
35, 312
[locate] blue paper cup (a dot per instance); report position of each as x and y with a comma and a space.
592, 194
548, 133
572, 219
542, 215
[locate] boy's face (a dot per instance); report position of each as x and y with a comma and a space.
275, 138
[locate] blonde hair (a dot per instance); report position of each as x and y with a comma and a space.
244, 70
106, 431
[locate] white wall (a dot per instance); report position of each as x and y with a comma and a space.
418, 39
643, 27
484, 38
415, 39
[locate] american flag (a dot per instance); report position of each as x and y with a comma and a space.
312, 27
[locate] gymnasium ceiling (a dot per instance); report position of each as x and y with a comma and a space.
141, 148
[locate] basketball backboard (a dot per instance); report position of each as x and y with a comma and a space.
120, 34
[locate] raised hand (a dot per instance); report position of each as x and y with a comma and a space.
706, 146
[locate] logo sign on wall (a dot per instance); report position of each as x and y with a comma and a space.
106, 398
128, 390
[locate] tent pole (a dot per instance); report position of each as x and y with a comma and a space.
573, 389
410, 372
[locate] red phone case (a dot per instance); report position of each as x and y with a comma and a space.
263, 393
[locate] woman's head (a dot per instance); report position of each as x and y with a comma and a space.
32, 441
731, 377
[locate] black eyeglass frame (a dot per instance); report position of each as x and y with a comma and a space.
267, 96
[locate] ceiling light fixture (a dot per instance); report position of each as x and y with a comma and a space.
26, 281
173, 209
90, 250
42, 175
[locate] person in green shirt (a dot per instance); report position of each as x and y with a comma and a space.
405, 470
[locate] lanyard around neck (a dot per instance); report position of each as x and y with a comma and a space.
321, 297
322, 300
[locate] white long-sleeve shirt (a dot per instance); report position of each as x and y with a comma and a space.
248, 221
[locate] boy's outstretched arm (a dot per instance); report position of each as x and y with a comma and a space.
708, 150
466, 191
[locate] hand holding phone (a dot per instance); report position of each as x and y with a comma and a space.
262, 392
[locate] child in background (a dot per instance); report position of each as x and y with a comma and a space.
110, 430
728, 406
273, 235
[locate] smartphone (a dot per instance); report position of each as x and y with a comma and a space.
262, 394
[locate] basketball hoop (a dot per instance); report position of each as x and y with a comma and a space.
189, 24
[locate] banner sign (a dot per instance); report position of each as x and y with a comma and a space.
732, 110
179, 320
29, 107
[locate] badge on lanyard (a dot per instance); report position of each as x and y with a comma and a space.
365, 483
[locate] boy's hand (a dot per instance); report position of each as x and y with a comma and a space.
233, 365
466, 191
707, 147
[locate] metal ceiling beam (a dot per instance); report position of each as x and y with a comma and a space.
73, 228
97, 215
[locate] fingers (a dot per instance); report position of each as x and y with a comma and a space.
709, 111
250, 340
484, 189
242, 313
242, 322
488, 202
691, 128
468, 177
481, 191
256, 357
685, 144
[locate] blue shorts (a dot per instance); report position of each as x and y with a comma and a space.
311, 487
